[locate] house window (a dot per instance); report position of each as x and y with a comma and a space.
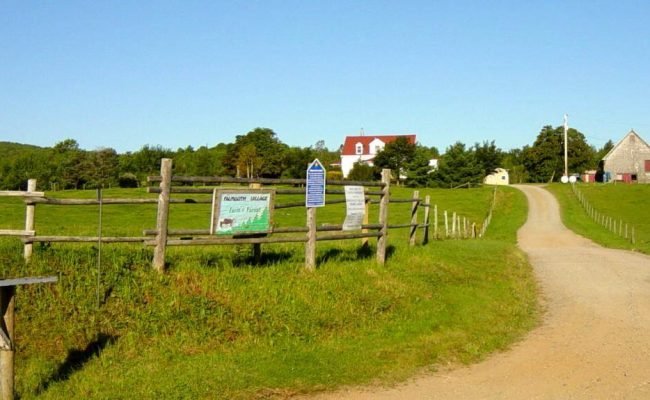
359, 148
647, 165
377, 149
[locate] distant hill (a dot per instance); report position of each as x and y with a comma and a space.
9, 148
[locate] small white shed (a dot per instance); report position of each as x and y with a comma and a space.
498, 177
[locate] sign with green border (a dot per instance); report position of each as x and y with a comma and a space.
242, 212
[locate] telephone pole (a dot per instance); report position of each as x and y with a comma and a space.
566, 145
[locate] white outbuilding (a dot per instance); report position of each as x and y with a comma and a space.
498, 177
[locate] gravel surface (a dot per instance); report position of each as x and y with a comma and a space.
594, 342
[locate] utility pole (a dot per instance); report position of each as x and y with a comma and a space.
566, 146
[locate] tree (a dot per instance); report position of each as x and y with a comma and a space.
101, 167
396, 155
269, 153
488, 156
296, 160
456, 167
513, 162
418, 171
544, 160
68, 162
362, 172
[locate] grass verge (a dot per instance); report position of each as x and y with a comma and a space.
620, 202
216, 327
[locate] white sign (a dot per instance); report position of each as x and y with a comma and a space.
355, 201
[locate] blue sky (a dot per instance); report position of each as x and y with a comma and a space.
123, 74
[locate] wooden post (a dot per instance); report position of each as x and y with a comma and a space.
366, 216
427, 210
632, 237
383, 217
310, 245
7, 309
453, 225
29, 220
473, 230
162, 219
435, 222
256, 247
446, 225
414, 217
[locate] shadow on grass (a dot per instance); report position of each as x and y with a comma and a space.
266, 259
76, 360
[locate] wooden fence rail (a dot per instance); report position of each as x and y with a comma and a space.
162, 236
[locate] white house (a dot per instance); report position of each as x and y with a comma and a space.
364, 148
498, 177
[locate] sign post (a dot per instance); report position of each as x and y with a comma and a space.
314, 197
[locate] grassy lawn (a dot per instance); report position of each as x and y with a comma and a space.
620, 202
216, 326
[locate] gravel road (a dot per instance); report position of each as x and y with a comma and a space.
594, 342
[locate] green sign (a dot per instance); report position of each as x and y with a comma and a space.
237, 212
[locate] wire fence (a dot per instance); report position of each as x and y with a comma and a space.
612, 224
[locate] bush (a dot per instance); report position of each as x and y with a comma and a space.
128, 180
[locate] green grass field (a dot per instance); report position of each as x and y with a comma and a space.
620, 202
215, 326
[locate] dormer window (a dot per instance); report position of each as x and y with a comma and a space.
359, 148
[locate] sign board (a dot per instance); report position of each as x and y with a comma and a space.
237, 212
355, 200
315, 193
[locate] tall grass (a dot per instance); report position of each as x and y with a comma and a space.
216, 326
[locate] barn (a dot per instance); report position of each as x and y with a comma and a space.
628, 161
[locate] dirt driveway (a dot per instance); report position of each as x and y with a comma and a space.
594, 342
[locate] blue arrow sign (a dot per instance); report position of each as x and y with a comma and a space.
315, 193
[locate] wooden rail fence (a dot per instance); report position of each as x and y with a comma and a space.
445, 224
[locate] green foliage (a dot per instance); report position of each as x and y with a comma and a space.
362, 172
395, 156
488, 156
216, 326
456, 167
544, 160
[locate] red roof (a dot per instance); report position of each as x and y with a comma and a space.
349, 146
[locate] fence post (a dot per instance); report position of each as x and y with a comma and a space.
414, 217
310, 245
446, 226
256, 247
427, 211
453, 225
383, 217
435, 222
7, 316
162, 218
366, 213
29, 220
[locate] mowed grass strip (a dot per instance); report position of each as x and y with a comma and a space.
215, 326
618, 201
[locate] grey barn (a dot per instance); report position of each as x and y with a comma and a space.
629, 160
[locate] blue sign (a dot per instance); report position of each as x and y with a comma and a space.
315, 196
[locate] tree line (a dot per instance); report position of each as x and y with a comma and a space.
260, 153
